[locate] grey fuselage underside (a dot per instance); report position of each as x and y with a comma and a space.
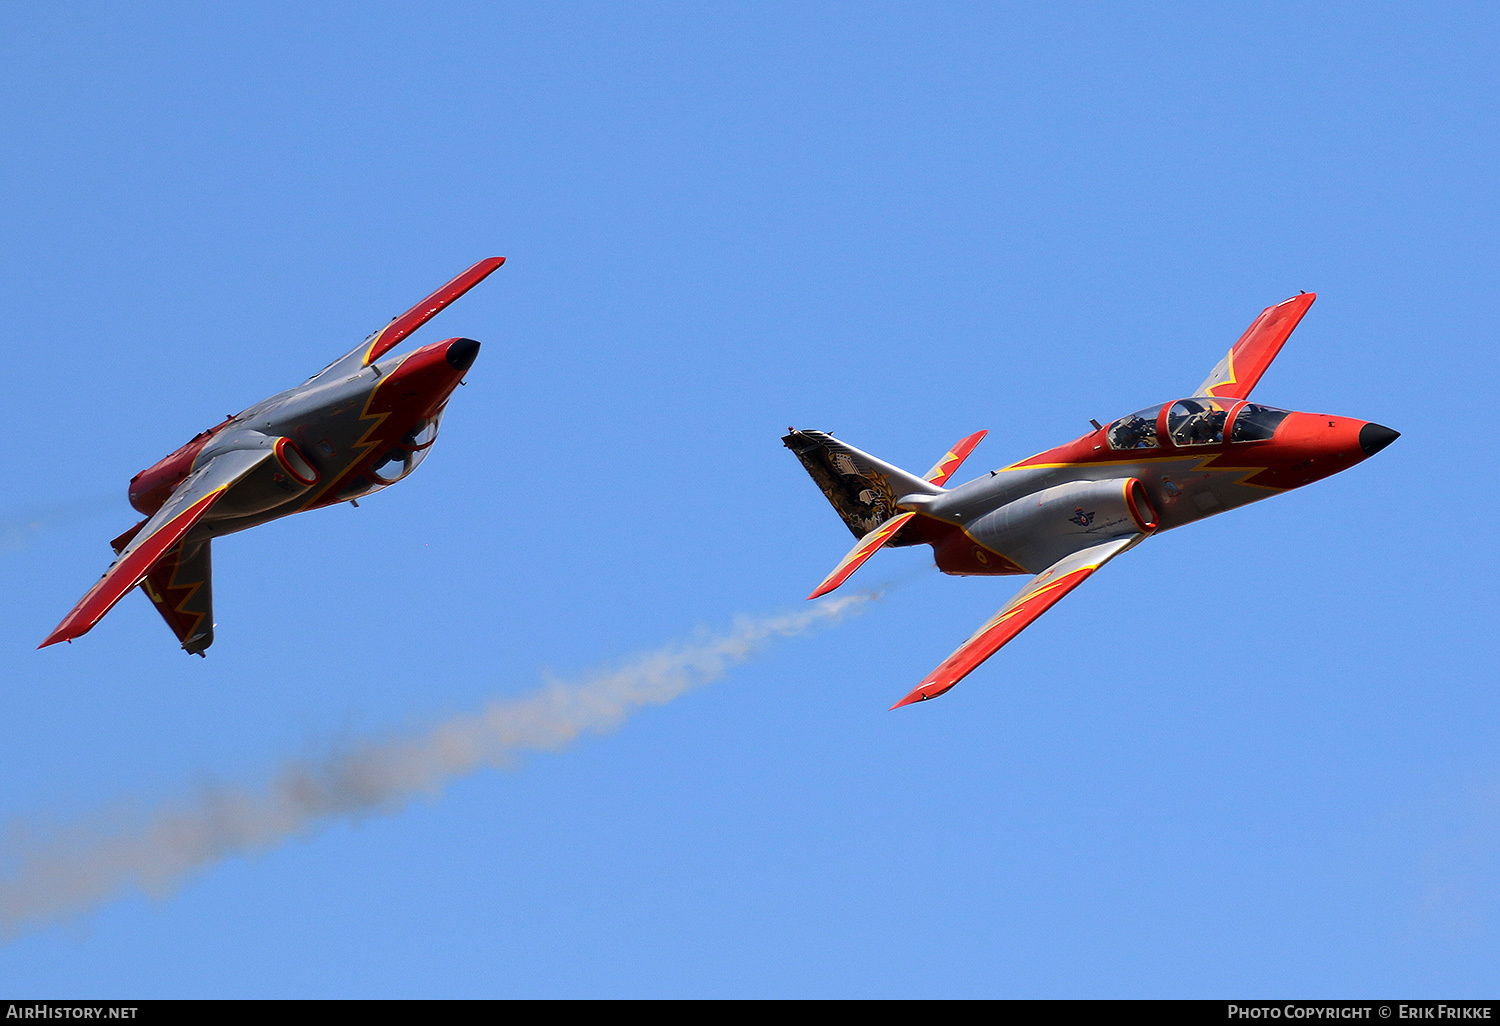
322, 417
1179, 486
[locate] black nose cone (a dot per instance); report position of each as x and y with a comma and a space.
1374, 437
461, 353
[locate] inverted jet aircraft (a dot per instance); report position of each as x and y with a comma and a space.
1063, 513
359, 425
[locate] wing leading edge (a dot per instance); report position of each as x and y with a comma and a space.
387, 338
863, 550
1248, 359
157, 539
390, 336
1044, 591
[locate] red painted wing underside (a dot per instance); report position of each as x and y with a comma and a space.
173, 599
989, 639
1044, 591
129, 572
391, 335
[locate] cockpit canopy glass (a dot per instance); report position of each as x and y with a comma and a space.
1137, 431
1199, 420
1256, 423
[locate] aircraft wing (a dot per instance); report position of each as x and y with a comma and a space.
390, 336
1044, 591
1243, 365
156, 538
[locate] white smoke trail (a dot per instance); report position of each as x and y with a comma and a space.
18, 529
80, 867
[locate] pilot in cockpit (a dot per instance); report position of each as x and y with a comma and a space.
1206, 427
1136, 432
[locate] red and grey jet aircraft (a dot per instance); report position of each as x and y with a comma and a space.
359, 425
1063, 513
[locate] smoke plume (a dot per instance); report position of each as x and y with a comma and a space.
77, 868
19, 528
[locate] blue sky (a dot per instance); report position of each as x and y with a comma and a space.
1253, 757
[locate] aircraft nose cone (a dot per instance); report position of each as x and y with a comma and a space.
1374, 437
461, 353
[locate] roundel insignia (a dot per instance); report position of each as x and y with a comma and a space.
979, 555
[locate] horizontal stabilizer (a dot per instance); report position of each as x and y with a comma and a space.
944, 468
863, 550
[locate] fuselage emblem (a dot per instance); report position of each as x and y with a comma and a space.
1081, 518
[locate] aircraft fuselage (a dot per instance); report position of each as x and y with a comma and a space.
1023, 517
340, 431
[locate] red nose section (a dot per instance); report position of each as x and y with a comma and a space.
1311, 446
422, 383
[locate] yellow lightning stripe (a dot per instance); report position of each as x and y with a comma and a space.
1030, 592
861, 552
1202, 465
375, 341
192, 589
1233, 379
943, 464
363, 445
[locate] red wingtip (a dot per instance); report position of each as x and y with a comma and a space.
67, 631
390, 336
926, 691
129, 570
